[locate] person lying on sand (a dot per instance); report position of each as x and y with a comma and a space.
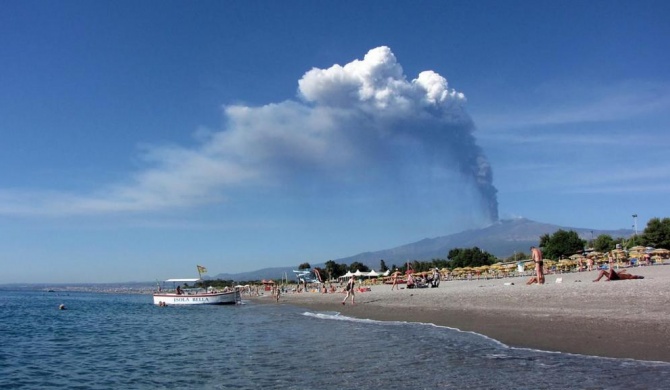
621, 275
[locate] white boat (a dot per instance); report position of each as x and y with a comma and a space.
195, 296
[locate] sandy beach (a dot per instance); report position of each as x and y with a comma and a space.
622, 319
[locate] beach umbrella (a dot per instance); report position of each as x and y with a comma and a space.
549, 263
619, 254
638, 248
565, 264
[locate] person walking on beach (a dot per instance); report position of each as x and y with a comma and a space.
394, 280
536, 255
350, 291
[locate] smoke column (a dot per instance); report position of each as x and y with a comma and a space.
423, 121
359, 136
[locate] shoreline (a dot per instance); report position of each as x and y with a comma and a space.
618, 319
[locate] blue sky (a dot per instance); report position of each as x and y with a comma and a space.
142, 138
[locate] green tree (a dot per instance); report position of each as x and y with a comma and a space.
331, 269
657, 233
632, 241
382, 266
604, 243
471, 257
561, 244
335, 270
439, 263
357, 266
304, 266
418, 266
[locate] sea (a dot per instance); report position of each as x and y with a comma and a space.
123, 341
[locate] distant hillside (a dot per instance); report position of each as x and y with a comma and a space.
501, 239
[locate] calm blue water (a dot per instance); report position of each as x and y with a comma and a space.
108, 341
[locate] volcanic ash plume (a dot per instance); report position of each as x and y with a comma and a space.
419, 129
360, 136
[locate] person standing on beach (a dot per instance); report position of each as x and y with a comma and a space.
350, 291
394, 279
536, 255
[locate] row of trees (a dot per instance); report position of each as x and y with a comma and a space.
656, 234
565, 243
560, 244
459, 257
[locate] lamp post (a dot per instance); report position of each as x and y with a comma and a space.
635, 223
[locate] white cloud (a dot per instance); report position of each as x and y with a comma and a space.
377, 83
361, 123
560, 104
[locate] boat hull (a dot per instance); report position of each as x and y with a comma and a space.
222, 298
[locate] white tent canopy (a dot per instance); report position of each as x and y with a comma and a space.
372, 274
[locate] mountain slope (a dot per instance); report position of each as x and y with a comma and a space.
501, 239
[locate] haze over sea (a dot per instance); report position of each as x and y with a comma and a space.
123, 341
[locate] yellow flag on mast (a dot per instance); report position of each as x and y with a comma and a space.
201, 270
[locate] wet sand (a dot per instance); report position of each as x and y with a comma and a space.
622, 319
